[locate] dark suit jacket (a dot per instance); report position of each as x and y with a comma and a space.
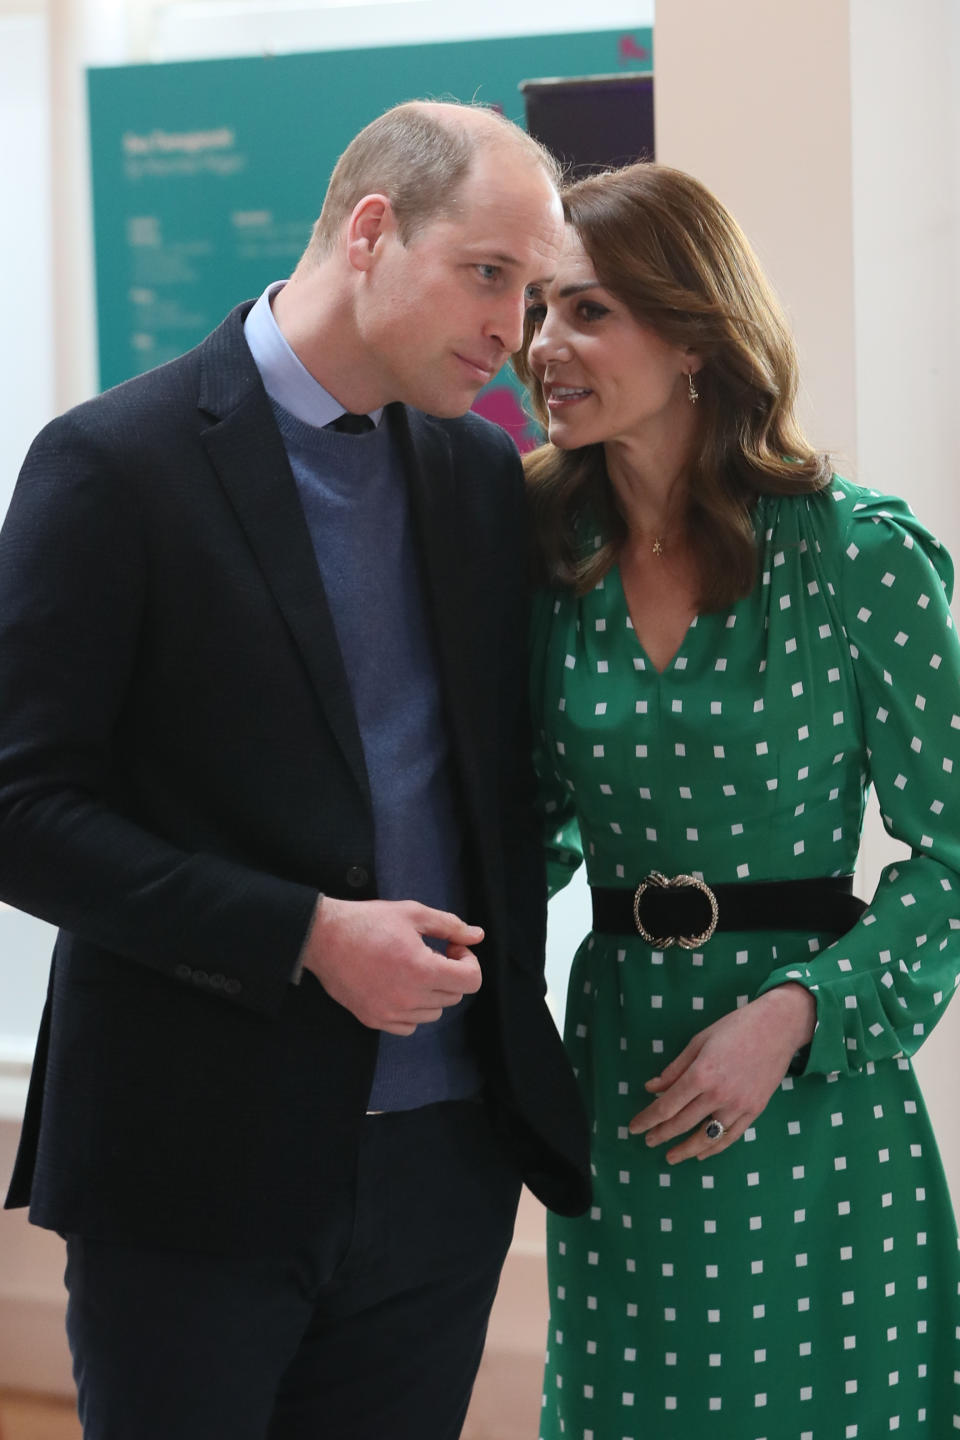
181, 772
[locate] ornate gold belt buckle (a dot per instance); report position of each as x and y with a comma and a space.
676, 882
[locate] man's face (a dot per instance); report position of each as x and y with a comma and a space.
438, 317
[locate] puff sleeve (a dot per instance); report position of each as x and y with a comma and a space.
882, 987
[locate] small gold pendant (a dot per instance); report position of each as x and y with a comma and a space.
658, 546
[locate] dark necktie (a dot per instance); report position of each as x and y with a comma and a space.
348, 424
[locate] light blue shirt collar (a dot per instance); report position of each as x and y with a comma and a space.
286, 380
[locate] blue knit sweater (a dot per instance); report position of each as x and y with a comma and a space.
355, 501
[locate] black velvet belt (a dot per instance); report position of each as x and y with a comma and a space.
683, 910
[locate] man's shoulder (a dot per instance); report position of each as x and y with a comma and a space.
472, 435
177, 381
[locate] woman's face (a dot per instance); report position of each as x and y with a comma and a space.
605, 377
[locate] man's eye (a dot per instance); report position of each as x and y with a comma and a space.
488, 272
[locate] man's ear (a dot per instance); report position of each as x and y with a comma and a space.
370, 223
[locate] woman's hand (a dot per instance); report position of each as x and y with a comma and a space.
728, 1072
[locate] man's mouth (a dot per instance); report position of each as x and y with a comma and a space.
482, 371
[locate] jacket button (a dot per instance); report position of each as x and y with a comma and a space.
357, 876
199, 977
217, 981
183, 972
232, 987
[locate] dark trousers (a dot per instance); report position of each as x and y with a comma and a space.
373, 1334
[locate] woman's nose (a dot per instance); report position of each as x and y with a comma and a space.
548, 344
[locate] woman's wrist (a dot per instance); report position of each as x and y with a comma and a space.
795, 1009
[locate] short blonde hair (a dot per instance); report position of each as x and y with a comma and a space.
420, 162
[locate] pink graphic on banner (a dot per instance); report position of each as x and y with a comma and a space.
628, 49
502, 405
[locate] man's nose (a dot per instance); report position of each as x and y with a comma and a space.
507, 325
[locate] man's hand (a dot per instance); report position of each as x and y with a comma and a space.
728, 1071
370, 956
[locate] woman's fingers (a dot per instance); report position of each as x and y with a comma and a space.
699, 1145
671, 1103
686, 1118
678, 1065
729, 1071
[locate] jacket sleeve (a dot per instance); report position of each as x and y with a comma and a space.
882, 987
73, 599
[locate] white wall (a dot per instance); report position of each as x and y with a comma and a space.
27, 388
186, 29
26, 359
31, 1346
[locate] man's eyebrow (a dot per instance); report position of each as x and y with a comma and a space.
497, 257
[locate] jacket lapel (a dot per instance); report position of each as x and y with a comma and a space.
247, 452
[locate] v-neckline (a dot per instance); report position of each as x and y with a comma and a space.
647, 661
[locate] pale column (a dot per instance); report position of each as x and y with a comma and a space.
754, 99
831, 128
906, 116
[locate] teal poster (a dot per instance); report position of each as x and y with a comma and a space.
208, 175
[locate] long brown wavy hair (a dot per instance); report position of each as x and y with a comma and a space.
668, 250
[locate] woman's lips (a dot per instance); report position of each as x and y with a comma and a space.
559, 397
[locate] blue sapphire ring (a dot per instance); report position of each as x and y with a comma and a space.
714, 1129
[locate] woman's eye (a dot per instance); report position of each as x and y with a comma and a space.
535, 314
590, 310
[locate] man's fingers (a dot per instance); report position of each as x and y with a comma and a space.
441, 925
444, 997
408, 1023
462, 977
371, 958
458, 952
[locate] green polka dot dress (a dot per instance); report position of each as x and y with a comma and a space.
804, 1284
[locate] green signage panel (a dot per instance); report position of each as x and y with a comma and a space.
208, 175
